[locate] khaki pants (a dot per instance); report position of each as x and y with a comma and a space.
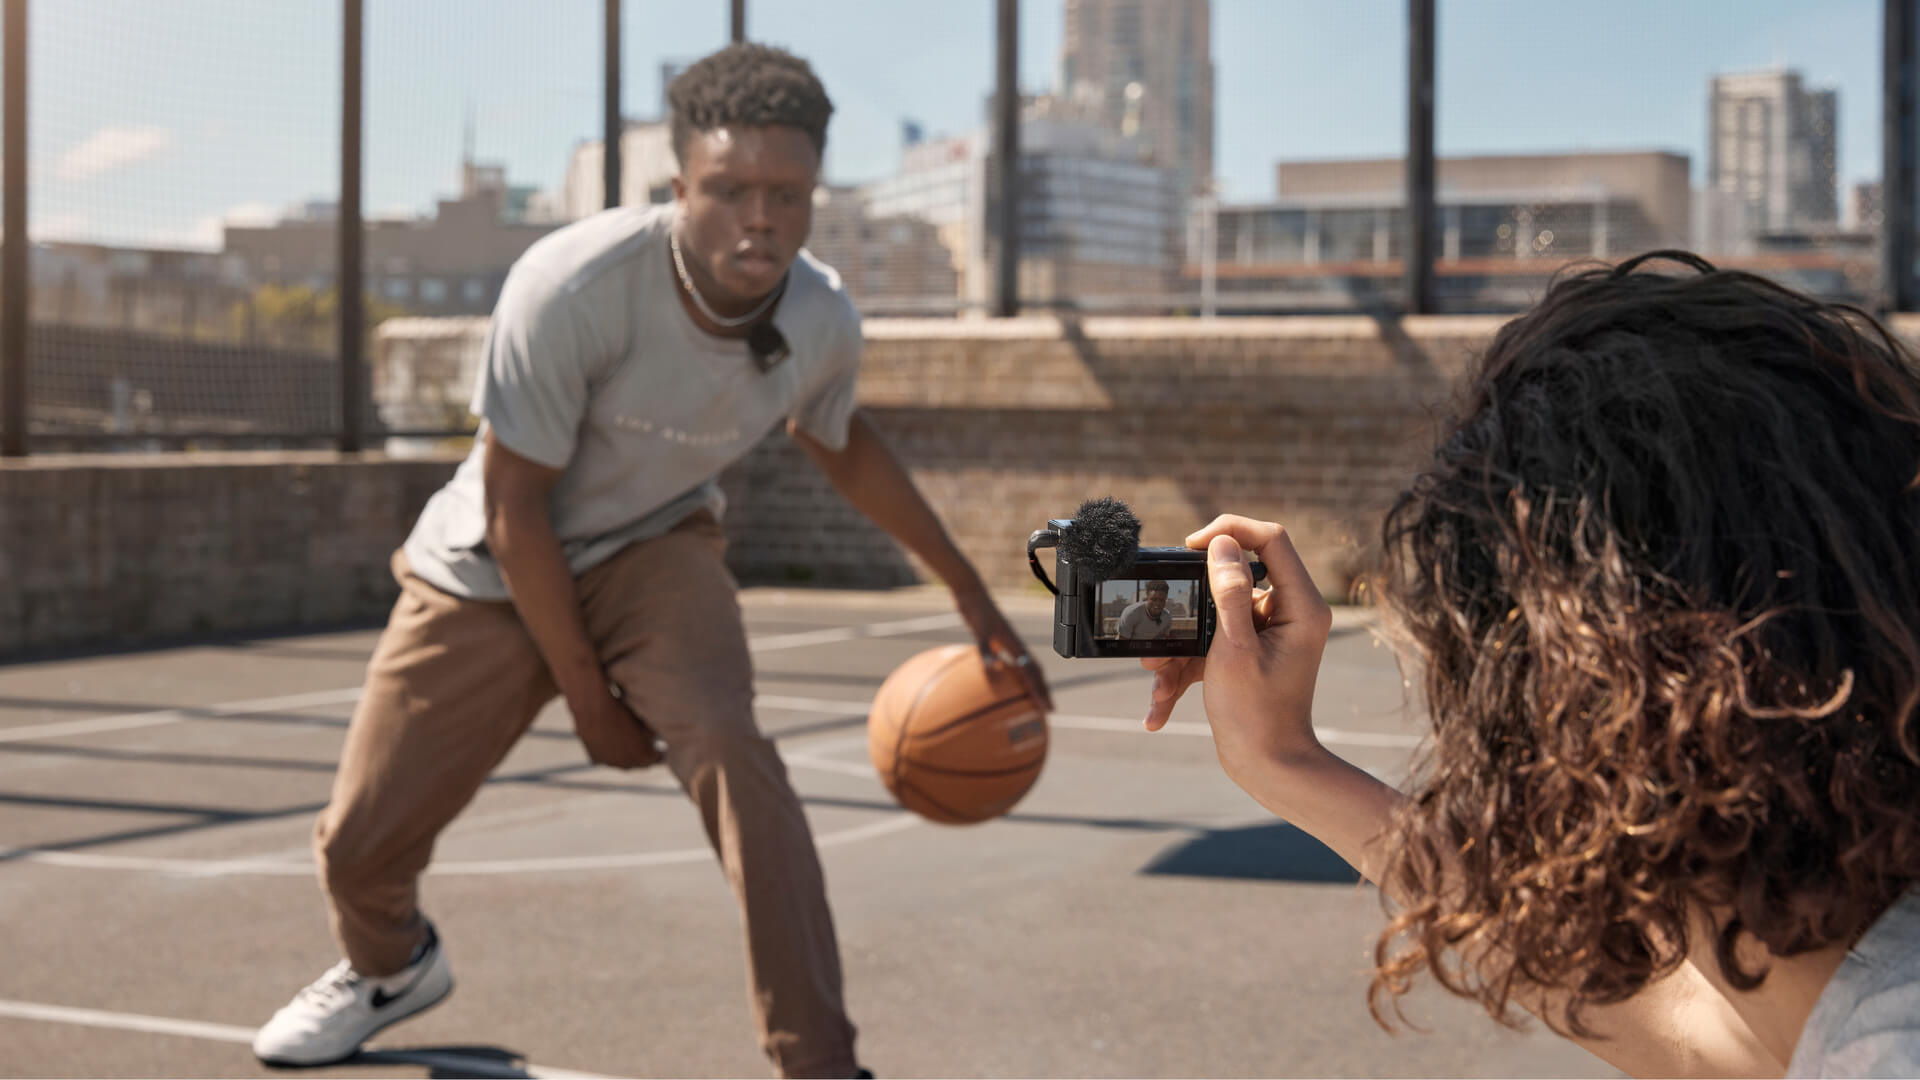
453, 685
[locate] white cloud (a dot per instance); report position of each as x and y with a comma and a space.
60, 227
42, 227
109, 149
205, 232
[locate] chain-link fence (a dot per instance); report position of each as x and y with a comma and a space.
1184, 158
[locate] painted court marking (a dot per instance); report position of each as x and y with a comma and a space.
1330, 736
245, 867
439, 1060
805, 638
771, 643
129, 721
817, 761
157, 718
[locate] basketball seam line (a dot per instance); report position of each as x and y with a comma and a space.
970, 717
906, 718
921, 766
958, 817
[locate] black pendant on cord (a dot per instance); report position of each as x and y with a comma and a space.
768, 346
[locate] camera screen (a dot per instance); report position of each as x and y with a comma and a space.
1147, 609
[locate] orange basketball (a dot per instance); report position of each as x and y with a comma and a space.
954, 742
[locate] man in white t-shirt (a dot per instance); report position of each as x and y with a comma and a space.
1149, 619
577, 553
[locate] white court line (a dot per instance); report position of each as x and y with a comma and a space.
255, 865
853, 633
845, 768
1330, 736
130, 721
461, 1064
812, 705
243, 867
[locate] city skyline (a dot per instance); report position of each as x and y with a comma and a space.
153, 128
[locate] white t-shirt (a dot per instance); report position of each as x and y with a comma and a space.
1867, 1020
1139, 624
593, 367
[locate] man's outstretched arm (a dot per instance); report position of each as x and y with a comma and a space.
867, 475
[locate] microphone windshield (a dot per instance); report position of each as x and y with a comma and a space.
1103, 540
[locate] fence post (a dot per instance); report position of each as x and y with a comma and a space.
1419, 217
351, 274
612, 127
1900, 179
14, 263
1006, 151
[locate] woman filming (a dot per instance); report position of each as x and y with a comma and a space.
1660, 584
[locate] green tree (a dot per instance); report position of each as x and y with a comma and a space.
299, 316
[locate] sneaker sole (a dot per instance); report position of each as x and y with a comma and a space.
288, 1063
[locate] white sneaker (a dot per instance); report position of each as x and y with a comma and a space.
329, 1020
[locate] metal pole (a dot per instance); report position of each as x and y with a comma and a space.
1210, 244
351, 288
739, 22
1419, 219
13, 260
1899, 179
1006, 153
611, 126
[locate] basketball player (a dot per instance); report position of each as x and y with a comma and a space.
632, 357
1149, 619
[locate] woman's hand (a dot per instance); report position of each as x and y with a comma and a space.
1260, 671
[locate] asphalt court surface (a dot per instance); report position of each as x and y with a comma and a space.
1136, 915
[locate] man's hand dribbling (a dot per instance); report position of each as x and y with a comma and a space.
1260, 671
611, 732
1000, 645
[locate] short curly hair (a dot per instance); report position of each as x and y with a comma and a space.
1662, 578
748, 86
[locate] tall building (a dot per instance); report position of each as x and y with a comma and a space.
1162, 49
647, 161
893, 265
1334, 236
943, 183
1772, 162
1869, 206
450, 264
1649, 186
191, 294
647, 169
1098, 218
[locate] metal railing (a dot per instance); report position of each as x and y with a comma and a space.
1413, 262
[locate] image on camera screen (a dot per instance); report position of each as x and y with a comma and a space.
1147, 609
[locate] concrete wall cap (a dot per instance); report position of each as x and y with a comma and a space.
220, 459
1291, 327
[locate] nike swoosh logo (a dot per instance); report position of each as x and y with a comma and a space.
381, 999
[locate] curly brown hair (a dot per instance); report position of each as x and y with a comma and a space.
1662, 581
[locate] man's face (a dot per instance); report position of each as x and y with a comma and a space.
1156, 602
746, 194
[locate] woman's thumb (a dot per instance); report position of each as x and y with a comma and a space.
1232, 586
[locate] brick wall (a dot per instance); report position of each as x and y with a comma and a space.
1310, 421
124, 549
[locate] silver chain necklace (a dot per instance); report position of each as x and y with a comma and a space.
686, 279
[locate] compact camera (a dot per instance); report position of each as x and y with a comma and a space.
1112, 601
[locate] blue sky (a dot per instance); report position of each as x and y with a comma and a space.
154, 120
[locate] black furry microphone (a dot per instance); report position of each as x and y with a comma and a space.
1103, 539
